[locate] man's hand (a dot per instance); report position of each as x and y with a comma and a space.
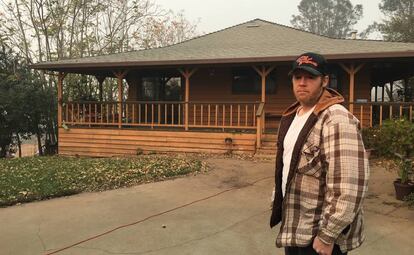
322, 248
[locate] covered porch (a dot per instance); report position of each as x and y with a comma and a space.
195, 117
222, 92
210, 113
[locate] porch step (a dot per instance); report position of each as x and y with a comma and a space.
268, 146
269, 137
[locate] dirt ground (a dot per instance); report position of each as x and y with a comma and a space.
381, 194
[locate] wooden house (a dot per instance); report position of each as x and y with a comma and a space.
220, 92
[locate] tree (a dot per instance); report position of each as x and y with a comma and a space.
7, 116
333, 18
49, 30
399, 22
166, 30
398, 25
23, 103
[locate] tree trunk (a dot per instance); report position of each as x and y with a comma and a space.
22, 30
406, 96
39, 142
19, 145
3, 150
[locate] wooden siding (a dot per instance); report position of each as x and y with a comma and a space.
122, 142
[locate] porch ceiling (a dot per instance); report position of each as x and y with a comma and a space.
385, 72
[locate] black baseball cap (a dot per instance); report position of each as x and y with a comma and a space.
311, 62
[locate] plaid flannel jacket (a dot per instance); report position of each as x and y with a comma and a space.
327, 181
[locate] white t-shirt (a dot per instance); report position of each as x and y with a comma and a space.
289, 143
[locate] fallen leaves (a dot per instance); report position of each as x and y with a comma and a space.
37, 178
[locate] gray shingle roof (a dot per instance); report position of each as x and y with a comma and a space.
253, 41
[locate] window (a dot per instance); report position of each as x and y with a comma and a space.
151, 88
161, 88
247, 81
173, 89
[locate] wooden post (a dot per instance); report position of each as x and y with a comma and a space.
187, 73
263, 73
362, 115
351, 88
119, 102
370, 116
186, 99
61, 76
352, 71
258, 134
120, 75
381, 115
259, 122
100, 79
263, 78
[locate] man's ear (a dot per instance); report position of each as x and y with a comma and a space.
325, 81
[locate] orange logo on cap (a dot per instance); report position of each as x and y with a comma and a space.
306, 60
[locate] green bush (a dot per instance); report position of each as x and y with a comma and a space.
394, 139
370, 137
399, 136
410, 199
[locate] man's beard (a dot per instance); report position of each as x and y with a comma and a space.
311, 100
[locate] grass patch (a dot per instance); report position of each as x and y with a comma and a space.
37, 178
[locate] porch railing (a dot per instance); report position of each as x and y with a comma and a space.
374, 113
240, 115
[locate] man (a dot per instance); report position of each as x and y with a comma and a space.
322, 169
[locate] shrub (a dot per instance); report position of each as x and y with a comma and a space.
394, 139
398, 135
370, 137
410, 199
394, 136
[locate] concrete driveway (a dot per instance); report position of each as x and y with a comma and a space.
224, 211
